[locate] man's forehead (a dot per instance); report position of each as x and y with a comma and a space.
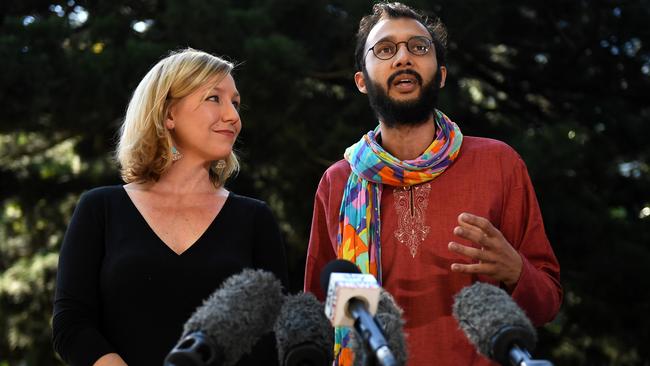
396, 29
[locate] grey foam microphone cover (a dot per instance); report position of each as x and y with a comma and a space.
389, 317
492, 321
387, 304
303, 333
238, 313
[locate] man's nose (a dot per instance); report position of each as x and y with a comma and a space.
402, 56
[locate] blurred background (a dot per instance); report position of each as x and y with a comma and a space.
566, 83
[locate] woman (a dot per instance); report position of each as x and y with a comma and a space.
138, 259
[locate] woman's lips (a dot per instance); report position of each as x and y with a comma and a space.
228, 133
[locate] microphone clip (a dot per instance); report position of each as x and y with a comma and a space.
194, 350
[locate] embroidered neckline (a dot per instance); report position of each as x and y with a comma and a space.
411, 206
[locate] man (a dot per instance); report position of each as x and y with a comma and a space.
425, 209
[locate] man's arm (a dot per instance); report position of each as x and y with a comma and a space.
321, 248
517, 253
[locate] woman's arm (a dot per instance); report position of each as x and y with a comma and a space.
269, 251
76, 320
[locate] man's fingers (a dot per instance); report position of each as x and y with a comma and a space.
481, 268
496, 257
474, 253
481, 223
472, 234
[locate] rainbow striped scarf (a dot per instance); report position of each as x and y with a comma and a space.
359, 218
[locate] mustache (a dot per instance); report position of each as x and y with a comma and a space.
403, 72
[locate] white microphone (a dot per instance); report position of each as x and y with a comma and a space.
352, 300
344, 287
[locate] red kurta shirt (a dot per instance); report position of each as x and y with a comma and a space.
487, 179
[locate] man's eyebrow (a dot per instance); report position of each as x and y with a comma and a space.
392, 37
386, 38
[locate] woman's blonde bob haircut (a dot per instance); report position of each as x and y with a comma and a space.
144, 150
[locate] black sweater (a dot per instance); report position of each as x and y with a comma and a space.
120, 289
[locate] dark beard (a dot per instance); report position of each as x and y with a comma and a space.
409, 113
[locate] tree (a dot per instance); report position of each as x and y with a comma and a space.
565, 83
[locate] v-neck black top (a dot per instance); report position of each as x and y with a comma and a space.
121, 289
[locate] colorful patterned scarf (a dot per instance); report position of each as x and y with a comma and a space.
359, 219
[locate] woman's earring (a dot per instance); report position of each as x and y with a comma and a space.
221, 164
176, 155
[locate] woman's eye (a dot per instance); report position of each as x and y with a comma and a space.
213, 98
236, 105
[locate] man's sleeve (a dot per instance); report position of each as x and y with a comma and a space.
538, 290
321, 248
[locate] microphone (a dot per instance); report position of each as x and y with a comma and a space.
497, 327
230, 321
352, 298
388, 305
304, 336
389, 318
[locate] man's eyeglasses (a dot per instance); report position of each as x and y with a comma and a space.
385, 50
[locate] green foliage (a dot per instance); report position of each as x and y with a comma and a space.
565, 83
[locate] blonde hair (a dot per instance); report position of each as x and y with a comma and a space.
144, 150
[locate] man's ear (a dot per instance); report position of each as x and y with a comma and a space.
361, 82
443, 76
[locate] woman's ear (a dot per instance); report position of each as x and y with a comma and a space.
169, 119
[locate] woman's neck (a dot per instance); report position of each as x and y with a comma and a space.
185, 177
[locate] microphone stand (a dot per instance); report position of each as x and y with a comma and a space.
521, 357
369, 330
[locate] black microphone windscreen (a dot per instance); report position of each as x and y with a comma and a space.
304, 335
492, 321
336, 266
238, 313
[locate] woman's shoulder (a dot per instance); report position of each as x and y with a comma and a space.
245, 202
248, 208
97, 202
102, 193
